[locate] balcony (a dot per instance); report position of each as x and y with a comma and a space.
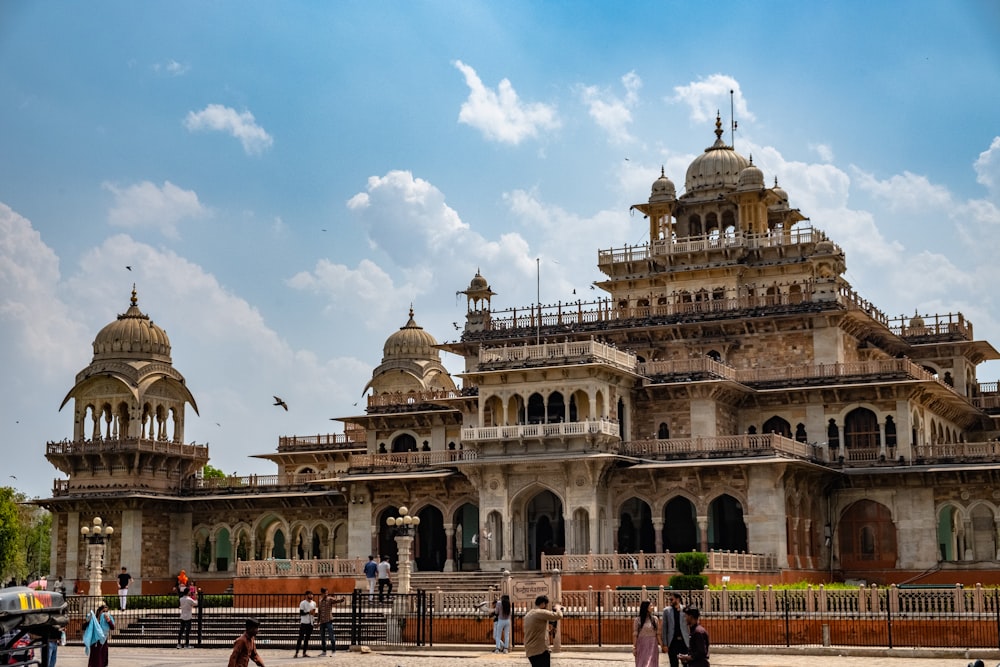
250, 484
332, 441
958, 452
125, 446
918, 329
541, 431
415, 400
727, 446
406, 461
548, 354
710, 243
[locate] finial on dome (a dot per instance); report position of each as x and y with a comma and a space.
135, 299
718, 126
775, 181
662, 172
411, 311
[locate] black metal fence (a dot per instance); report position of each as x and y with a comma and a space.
412, 620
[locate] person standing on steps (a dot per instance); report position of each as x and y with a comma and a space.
383, 579
307, 610
676, 636
187, 604
371, 572
124, 579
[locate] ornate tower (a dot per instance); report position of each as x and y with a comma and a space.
128, 413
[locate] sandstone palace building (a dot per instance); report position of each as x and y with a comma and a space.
728, 391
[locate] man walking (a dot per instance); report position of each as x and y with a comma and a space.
697, 655
325, 611
383, 579
676, 635
536, 631
245, 647
124, 579
187, 603
371, 571
307, 610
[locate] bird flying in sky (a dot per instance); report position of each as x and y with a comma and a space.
279, 401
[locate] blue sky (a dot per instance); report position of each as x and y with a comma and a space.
286, 178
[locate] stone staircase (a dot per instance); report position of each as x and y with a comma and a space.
456, 581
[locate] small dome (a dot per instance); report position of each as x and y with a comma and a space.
132, 336
410, 342
782, 204
917, 322
825, 247
663, 189
751, 178
718, 168
478, 284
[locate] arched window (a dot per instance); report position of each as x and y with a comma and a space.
536, 409
778, 426
800, 433
694, 225
890, 432
714, 355
861, 430
833, 434
867, 537
663, 433
404, 443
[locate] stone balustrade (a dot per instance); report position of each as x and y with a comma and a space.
526, 431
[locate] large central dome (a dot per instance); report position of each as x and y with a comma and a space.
132, 336
718, 168
410, 342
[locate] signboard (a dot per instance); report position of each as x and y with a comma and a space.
526, 590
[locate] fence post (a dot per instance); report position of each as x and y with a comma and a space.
788, 629
355, 618
888, 619
996, 609
959, 599
201, 609
600, 625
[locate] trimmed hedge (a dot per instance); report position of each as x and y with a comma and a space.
688, 582
691, 562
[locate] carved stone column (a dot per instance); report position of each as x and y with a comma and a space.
449, 548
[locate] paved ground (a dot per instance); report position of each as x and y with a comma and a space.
72, 656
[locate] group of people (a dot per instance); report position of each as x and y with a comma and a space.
322, 614
680, 635
378, 571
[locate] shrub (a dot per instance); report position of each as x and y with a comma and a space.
688, 582
691, 562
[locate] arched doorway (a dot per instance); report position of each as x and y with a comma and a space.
429, 551
466, 547
545, 528
404, 443
861, 433
680, 526
726, 529
867, 537
386, 538
635, 527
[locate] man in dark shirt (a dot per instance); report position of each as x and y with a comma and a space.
675, 630
697, 655
124, 579
245, 647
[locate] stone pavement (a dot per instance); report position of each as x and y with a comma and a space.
72, 656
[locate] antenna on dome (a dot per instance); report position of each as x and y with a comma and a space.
732, 120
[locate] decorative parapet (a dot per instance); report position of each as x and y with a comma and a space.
349, 440
125, 445
283, 568
586, 351
402, 461
718, 561
531, 431
720, 446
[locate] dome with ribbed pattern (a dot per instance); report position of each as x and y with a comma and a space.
410, 342
132, 336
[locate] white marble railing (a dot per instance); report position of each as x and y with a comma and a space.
656, 562
585, 349
561, 429
284, 568
732, 444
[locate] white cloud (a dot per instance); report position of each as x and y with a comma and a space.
39, 326
987, 166
171, 68
611, 113
145, 204
824, 151
500, 115
906, 192
710, 95
243, 126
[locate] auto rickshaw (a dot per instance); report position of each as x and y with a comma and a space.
29, 619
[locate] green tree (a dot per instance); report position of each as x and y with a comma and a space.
9, 530
211, 472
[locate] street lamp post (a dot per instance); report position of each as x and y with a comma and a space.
405, 524
96, 536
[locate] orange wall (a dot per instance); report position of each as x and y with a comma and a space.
296, 586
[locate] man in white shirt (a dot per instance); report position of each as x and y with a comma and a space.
307, 609
384, 580
187, 604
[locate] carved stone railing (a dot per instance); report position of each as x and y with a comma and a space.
578, 351
352, 440
249, 483
959, 451
401, 461
656, 562
710, 242
935, 325
720, 446
533, 431
282, 568
417, 397
125, 445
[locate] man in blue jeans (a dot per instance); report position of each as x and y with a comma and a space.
371, 572
325, 620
